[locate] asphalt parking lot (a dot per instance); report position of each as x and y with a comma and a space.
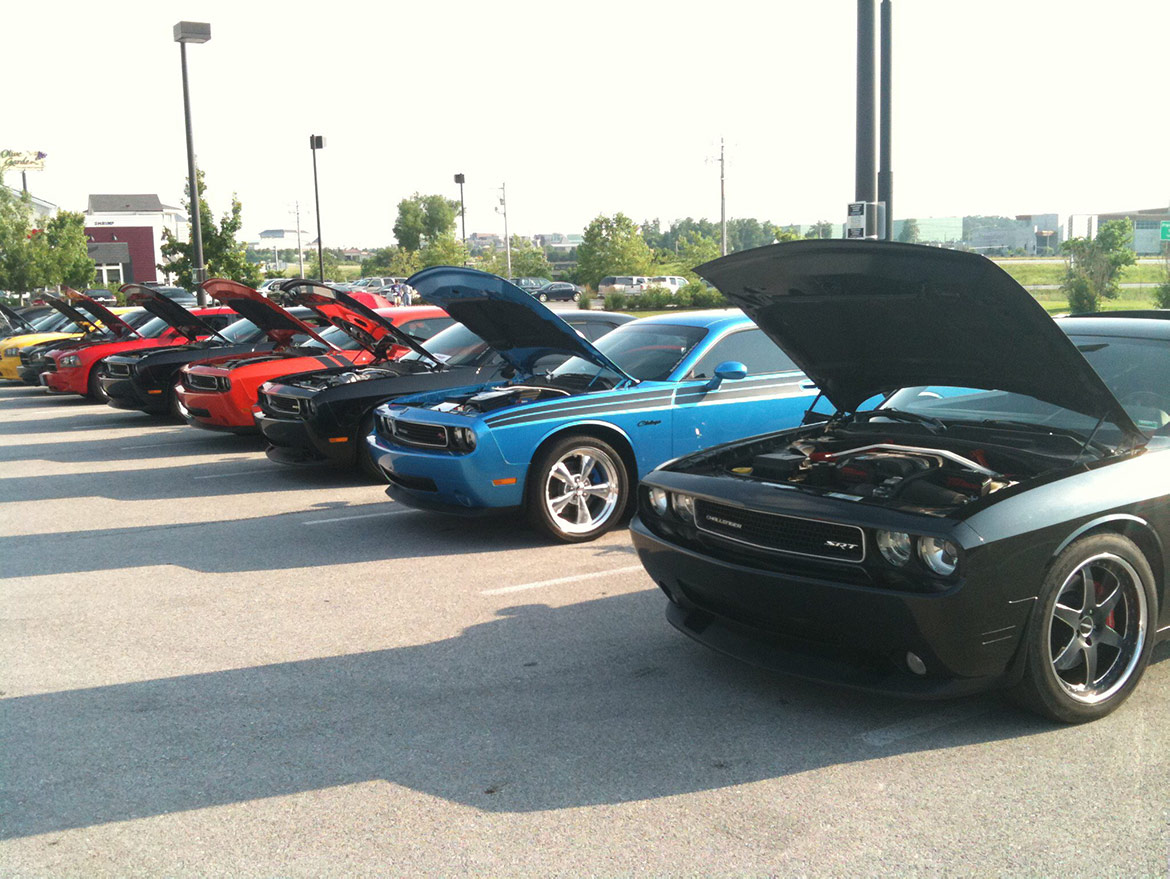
215, 665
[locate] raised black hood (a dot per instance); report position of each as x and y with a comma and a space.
16, 323
865, 317
187, 324
511, 321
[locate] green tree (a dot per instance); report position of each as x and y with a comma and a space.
909, 233
223, 255
443, 250
821, 229
329, 258
1162, 291
528, 260
67, 254
391, 261
1093, 266
611, 245
423, 218
744, 233
20, 264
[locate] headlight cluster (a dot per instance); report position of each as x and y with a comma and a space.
462, 439
69, 361
938, 554
11, 352
682, 505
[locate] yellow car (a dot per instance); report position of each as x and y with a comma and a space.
48, 328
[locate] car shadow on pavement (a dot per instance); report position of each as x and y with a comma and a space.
299, 539
598, 702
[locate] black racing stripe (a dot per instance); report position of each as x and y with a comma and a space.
579, 406
582, 401
736, 392
599, 412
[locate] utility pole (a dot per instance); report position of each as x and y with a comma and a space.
885, 178
722, 202
317, 142
460, 178
300, 250
507, 240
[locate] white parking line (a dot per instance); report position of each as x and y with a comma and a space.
915, 726
359, 516
526, 586
152, 446
237, 473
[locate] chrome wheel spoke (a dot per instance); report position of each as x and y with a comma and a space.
602, 489
561, 472
1090, 652
559, 503
1088, 590
1110, 601
1067, 615
1109, 637
583, 517
1068, 657
588, 462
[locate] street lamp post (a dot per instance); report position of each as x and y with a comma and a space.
193, 32
317, 142
503, 209
459, 178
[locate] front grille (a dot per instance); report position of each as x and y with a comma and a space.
281, 404
117, 370
771, 531
26, 358
196, 381
411, 433
48, 365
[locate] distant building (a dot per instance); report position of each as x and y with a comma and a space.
1147, 228
125, 235
484, 240
42, 210
557, 240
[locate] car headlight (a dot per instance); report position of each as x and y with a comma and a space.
310, 406
69, 361
684, 507
11, 352
659, 501
462, 438
938, 554
894, 547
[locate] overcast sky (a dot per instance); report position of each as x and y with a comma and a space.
1000, 107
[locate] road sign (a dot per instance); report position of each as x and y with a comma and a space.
1166, 230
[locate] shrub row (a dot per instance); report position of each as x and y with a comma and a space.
660, 299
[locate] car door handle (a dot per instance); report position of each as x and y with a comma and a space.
808, 385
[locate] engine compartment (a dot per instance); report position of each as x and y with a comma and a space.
922, 477
499, 398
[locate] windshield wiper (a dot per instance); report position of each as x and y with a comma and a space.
901, 415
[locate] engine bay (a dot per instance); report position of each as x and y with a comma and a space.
500, 398
896, 471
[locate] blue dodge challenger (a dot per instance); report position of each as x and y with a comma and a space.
568, 445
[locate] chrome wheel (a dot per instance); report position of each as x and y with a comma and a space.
1097, 628
582, 489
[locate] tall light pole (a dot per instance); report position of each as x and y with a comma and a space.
722, 203
459, 178
300, 250
193, 32
317, 142
503, 209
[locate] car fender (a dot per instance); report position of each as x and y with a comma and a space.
603, 430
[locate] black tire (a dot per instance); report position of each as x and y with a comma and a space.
600, 491
543, 297
1106, 621
365, 460
173, 411
95, 392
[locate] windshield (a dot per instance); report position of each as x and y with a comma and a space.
52, 323
647, 352
337, 337
455, 346
242, 330
153, 328
1137, 371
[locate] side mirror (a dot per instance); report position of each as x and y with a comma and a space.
728, 370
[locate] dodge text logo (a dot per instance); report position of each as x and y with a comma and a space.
836, 544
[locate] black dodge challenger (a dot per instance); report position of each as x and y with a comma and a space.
988, 506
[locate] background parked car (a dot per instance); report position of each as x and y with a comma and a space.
561, 291
620, 283
672, 283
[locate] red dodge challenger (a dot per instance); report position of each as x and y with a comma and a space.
220, 393
71, 368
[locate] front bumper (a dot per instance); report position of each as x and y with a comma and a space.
71, 380
476, 483
293, 441
127, 393
833, 632
30, 375
214, 411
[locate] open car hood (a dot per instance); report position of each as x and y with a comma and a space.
277, 324
357, 320
865, 317
512, 322
188, 325
84, 321
16, 322
111, 321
